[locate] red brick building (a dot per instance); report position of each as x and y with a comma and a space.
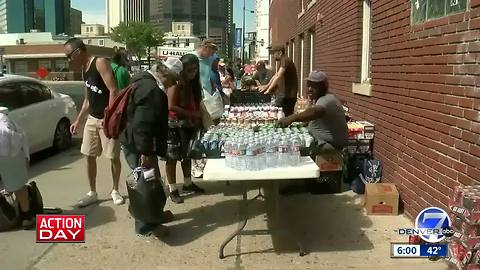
410, 67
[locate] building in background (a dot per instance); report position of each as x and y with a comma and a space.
262, 11
164, 12
408, 70
57, 17
76, 21
179, 41
16, 16
39, 15
118, 11
251, 49
91, 30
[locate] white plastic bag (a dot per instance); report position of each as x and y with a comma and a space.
213, 104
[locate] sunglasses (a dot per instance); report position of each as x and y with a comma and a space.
69, 55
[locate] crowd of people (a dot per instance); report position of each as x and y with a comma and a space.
164, 114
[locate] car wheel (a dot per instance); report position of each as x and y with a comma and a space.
63, 138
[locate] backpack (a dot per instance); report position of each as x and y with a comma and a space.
115, 119
9, 211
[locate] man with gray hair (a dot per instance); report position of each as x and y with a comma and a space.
145, 135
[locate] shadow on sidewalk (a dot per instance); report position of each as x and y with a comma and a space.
320, 222
48, 160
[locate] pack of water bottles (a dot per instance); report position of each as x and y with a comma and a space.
247, 148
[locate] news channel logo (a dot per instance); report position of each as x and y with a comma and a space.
432, 225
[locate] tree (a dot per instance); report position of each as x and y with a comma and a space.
139, 37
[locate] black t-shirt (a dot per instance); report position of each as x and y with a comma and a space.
97, 92
288, 85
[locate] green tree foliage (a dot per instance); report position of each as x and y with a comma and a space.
139, 37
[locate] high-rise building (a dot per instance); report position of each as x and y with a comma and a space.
16, 16
39, 15
164, 12
75, 21
57, 16
263, 33
118, 11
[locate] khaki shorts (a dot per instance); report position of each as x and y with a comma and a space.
95, 143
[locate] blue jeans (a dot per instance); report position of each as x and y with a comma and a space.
133, 161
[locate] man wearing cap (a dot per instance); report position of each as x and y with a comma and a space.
284, 83
326, 118
145, 135
206, 57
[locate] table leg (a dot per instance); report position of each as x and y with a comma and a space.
276, 191
241, 225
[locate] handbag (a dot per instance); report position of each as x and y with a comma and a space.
146, 196
9, 211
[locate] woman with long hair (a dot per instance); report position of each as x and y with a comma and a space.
185, 120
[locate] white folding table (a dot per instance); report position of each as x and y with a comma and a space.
215, 170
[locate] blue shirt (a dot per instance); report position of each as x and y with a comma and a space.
205, 72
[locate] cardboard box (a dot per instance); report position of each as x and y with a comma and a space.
330, 162
381, 199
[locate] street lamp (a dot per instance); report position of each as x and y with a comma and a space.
243, 33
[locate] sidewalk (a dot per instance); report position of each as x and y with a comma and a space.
333, 228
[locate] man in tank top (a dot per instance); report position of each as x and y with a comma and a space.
100, 91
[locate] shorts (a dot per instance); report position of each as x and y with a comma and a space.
95, 142
13, 172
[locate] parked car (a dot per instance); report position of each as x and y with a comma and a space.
44, 114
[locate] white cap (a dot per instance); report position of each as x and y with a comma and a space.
174, 65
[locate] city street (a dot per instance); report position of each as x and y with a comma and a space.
333, 228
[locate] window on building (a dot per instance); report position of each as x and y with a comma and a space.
45, 63
178, 27
302, 7
312, 49
87, 29
293, 50
187, 42
287, 46
174, 43
101, 42
302, 48
61, 65
20, 67
89, 42
364, 87
183, 27
424, 10
91, 29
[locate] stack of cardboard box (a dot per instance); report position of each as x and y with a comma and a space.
465, 216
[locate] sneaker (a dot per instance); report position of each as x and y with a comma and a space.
91, 197
116, 197
175, 197
193, 188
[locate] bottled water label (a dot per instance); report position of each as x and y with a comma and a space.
283, 149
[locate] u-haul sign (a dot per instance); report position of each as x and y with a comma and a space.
173, 51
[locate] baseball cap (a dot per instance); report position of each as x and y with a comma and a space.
209, 44
174, 65
316, 76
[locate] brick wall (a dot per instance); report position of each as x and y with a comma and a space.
425, 99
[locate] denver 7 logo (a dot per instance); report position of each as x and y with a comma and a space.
435, 219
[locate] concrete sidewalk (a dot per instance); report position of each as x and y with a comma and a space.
333, 228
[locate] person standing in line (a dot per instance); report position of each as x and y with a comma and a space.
284, 84
100, 92
185, 119
14, 160
205, 54
145, 135
120, 71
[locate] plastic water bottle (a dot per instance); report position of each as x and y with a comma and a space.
241, 156
228, 147
283, 152
260, 154
295, 151
271, 153
251, 156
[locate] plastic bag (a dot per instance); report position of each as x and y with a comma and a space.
146, 196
